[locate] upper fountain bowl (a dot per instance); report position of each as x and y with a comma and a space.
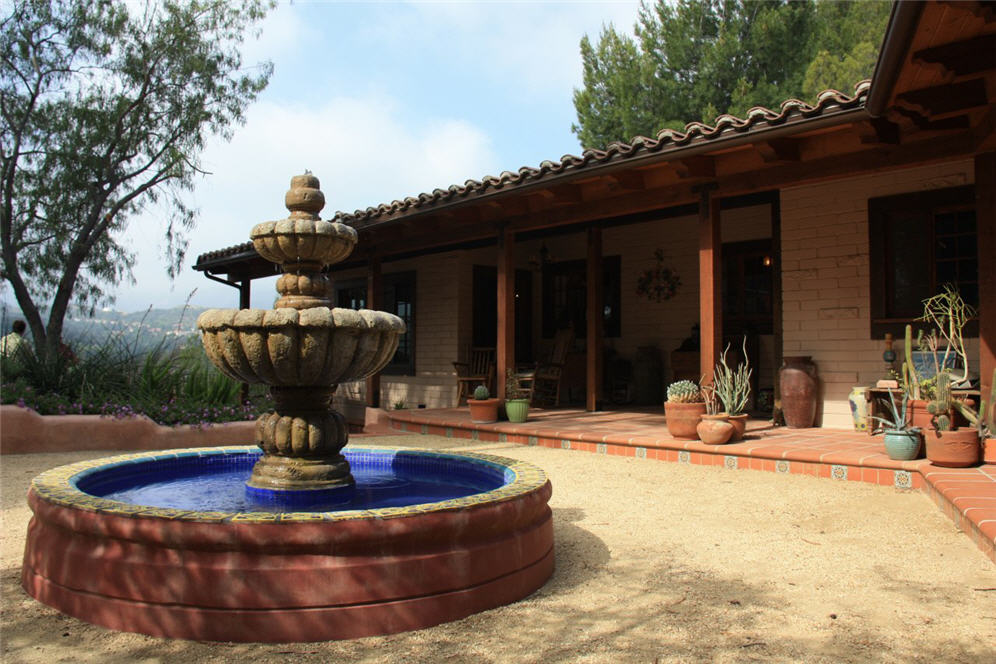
297, 240
287, 347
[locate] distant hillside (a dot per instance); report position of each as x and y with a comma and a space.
141, 330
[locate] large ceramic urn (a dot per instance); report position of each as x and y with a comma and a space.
302, 349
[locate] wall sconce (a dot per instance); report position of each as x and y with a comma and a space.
766, 261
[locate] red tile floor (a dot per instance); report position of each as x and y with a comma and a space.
966, 495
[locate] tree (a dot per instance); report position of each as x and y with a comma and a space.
106, 106
695, 59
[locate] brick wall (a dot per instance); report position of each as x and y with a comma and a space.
825, 279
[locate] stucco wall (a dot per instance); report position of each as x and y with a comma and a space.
825, 262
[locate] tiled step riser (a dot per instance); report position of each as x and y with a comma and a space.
900, 479
983, 540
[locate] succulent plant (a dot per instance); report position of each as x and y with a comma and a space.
481, 393
940, 407
684, 391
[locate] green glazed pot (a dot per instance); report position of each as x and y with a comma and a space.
517, 410
902, 445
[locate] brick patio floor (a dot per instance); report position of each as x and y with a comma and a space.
966, 495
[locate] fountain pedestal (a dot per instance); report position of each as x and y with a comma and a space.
302, 349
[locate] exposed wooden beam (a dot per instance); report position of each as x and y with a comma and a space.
627, 181
695, 167
778, 150
594, 299
962, 57
945, 99
567, 193
985, 10
878, 130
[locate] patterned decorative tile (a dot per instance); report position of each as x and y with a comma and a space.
641, 452
424, 429
730, 462
533, 440
782, 466
903, 479
502, 437
602, 448
473, 435
565, 444
449, 432
838, 472
684, 456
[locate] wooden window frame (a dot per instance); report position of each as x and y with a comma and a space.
880, 256
390, 282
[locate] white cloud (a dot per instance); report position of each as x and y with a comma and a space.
363, 149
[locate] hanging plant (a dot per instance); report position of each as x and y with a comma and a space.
659, 283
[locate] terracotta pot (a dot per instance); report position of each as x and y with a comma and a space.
483, 411
739, 423
989, 450
715, 429
953, 449
797, 381
682, 418
918, 415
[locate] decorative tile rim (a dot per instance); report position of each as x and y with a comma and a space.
58, 486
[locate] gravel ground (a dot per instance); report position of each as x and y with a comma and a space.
656, 562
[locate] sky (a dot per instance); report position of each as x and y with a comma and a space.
380, 100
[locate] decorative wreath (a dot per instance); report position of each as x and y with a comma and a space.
659, 283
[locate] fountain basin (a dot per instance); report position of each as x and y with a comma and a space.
285, 576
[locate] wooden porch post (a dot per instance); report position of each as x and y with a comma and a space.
505, 351
710, 300
375, 295
777, 311
985, 212
594, 319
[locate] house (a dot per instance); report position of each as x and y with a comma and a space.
814, 230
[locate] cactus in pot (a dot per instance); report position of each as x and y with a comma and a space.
683, 409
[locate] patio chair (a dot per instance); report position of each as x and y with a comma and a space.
479, 369
542, 381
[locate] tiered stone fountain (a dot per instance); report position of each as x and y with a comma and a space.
180, 543
302, 349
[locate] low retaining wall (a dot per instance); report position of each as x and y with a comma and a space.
23, 431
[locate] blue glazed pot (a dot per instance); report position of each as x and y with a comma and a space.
902, 445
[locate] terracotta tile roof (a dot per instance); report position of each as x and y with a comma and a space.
667, 140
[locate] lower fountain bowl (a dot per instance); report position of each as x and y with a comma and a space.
284, 576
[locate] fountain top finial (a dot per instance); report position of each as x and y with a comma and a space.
304, 199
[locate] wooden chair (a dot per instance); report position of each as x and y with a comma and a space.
479, 369
542, 382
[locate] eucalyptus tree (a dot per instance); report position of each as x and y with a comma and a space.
105, 107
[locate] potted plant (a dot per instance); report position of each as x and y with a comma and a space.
983, 421
902, 439
732, 389
714, 426
516, 398
483, 409
949, 314
947, 445
683, 409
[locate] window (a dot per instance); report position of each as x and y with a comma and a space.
565, 292
918, 243
398, 299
